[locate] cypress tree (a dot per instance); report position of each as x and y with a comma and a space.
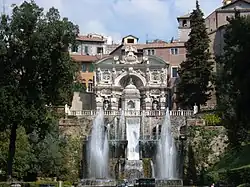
196, 72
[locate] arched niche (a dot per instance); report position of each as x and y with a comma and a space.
123, 80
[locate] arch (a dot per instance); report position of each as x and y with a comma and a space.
131, 104
123, 75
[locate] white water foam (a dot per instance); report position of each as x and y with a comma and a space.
98, 149
166, 152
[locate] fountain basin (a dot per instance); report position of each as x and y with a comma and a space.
97, 182
168, 182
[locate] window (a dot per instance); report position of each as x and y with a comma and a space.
184, 23
99, 50
74, 48
174, 71
91, 68
151, 52
90, 85
86, 50
174, 51
84, 67
130, 41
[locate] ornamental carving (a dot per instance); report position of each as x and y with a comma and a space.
106, 91
156, 75
106, 76
155, 91
98, 74
130, 57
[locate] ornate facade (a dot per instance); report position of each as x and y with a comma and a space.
130, 82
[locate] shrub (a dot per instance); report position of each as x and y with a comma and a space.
29, 184
212, 119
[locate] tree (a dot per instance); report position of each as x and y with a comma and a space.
35, 69
21, 164
195, 73
233, 80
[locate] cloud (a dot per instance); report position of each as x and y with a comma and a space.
143, 18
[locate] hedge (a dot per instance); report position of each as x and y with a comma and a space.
28, 184
236, 176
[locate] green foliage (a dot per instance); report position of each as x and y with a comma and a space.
234, 158
35, 69
195, 73
233, 80
232, 167
53, 156
29, 184
23, 153
147, 167
72, 154
238, 176
78, 87
199, 150
212, 119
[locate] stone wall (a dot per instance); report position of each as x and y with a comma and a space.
205, 143
81, 126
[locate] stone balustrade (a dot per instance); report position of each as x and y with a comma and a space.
130, 112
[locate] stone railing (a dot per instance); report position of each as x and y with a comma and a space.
131, 112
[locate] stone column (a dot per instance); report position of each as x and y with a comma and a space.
99, 101
114, 102
148, 101
163, 100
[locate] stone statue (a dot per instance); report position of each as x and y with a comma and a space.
147, 99
98, 74
113, 75
155, 105
145, 60
98, 97
116, 59
131, 81
195, 109
148, 74
163, 97
66, 109
105, 105
163, 76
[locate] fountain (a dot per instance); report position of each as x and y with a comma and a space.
166, 152
98, 149
166, 157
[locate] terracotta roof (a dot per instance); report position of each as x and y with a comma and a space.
156, 45
87, 58
89, 38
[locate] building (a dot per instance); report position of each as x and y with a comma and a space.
173, 53
183, 27
215, 23
89, 49
151, 67
218, 19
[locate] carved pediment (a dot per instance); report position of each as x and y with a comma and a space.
130, 57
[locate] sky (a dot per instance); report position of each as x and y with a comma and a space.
145, 19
